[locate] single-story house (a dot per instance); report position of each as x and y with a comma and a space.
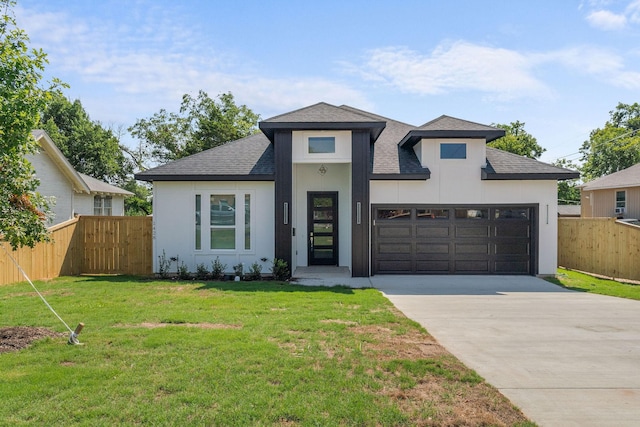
614, 195
328, 185
72, 193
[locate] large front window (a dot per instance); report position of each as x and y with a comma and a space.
228, 215
223, 221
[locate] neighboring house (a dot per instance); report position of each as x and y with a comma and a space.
327, 185
73, 193
615, 195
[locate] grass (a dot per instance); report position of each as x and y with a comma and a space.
225, 353
583, 282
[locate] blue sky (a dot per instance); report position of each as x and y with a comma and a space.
558, 66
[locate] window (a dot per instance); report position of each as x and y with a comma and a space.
322, 144
102, 205
621, 201
394, 213
432, 213
198, 222
453, 151
472, 213
247, 222
223, 221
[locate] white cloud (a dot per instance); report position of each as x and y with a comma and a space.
502, 73
633, 11
153, 64
606, 20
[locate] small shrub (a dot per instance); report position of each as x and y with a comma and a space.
202, 273
218, 269
280, 269
183, 272
255, 272
164, 264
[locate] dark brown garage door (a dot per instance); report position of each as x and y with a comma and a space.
453, 239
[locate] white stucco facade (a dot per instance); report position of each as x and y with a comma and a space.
174, 223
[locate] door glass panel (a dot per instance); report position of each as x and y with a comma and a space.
322, 202
472, 213
394, 213
323, 240
323, 228
432, 213
513, 213
328, 215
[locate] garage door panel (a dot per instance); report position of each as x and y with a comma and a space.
512, 248
473, 231
399, 266
512, 267
395, 231
432, 248
433, 231
433, 266
472, 266
472, 248
394, 248
513, 229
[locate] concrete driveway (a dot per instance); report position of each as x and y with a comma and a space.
564, 358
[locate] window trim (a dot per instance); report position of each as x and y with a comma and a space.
621, 203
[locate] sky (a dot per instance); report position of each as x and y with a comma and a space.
559, 66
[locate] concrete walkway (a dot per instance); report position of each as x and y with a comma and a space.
564, 358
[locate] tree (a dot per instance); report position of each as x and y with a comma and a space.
202, 123
614, 147
91, 148
517, 141
568, 190
23, 210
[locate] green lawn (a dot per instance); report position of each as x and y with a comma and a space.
225, 353
586, 283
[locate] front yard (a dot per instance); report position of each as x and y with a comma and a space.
225, 353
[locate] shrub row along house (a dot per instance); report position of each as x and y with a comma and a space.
328, 185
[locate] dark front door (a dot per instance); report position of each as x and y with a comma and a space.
322, 230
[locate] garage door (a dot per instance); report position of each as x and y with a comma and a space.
453, 239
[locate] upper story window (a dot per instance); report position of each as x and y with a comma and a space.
453, 151
322, 144
102, 205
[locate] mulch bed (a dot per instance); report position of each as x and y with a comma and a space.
18, 337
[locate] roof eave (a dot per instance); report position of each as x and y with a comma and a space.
494, 176
414, 136
420, 176
374, 128
162, 177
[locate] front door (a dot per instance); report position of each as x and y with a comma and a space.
322, 230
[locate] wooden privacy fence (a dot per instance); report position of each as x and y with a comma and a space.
599, 245
85, 245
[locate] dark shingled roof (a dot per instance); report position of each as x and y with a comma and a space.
629, 177
505, 165
246, 159
451, 127
392, 155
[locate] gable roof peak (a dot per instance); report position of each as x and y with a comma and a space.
445, 122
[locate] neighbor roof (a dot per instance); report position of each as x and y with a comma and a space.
392, 155
629, 177
100, 187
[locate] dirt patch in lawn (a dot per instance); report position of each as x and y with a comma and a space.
15, 338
